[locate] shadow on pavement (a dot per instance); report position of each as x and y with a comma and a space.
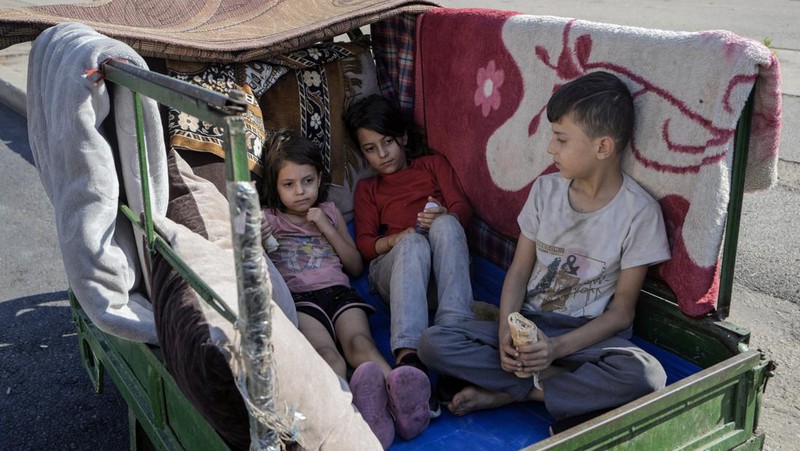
46, 398
15, 133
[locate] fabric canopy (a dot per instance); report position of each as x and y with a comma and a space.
207, 30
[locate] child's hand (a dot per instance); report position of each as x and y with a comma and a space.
508, 352
266, 229
428, 215
318, 218
536, 356
529, 358
386, 243
269, 242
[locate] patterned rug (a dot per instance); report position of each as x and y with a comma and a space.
207, 30
310, 103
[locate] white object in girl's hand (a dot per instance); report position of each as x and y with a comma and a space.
421, 228
270, 244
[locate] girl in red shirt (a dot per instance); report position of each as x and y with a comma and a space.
387, 208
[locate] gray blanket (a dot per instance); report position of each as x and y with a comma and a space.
68, 128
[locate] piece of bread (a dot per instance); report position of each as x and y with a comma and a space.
523, 332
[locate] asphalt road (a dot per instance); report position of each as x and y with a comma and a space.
768, 256
46, 399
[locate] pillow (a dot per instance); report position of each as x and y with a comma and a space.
199, 367
184, 328
197, 342
312, 98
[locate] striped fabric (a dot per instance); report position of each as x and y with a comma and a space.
490, 244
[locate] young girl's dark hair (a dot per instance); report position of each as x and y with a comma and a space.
285, 145
379, 114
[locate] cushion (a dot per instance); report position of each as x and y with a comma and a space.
186, 332
199, 367
188, 133
87, 162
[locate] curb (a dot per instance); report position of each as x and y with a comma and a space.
11, 95
14, 77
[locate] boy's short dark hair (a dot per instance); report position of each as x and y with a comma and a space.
600, 103
286, 145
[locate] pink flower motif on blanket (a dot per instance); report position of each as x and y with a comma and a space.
574, 61
487, 94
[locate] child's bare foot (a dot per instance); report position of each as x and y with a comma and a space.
473, 398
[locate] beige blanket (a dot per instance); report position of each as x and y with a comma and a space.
207, 30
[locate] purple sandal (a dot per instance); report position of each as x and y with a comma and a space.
369, 395
409, 391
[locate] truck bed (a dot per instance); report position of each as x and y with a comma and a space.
710, 395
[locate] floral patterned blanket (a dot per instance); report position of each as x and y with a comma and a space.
485, 110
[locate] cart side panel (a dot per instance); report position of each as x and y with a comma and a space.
157, 407
713, 409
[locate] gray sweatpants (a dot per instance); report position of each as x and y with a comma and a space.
603, 376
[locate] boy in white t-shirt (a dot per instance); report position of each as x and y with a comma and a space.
589, 234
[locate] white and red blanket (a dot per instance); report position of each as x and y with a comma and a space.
483, 79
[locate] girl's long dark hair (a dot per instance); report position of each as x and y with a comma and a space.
379, 114
285, 145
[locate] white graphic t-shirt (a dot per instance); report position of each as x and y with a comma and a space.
579, 255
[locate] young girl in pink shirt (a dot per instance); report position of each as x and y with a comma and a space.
315, 254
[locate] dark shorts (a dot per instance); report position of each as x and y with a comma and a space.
327, 304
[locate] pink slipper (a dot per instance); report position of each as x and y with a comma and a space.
409, 390
369, 395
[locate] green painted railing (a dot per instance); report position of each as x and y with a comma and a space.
255, 320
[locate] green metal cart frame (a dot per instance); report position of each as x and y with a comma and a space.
716, 408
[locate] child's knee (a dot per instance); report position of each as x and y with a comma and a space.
447, 231
359, 344
655, 377
331, 355
414, 243
446, 224
650, 377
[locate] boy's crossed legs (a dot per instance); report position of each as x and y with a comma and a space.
606, 375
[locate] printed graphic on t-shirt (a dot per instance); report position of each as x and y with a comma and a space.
303, 253
564, 280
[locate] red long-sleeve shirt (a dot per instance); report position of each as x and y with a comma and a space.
388, 204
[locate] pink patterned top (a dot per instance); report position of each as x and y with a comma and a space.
304, 257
